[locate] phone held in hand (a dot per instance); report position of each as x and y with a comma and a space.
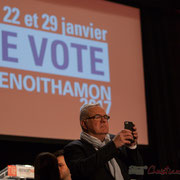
129, 125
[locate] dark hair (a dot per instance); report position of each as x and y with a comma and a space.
59, 153
46, 167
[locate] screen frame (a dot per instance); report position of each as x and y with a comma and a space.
65, 141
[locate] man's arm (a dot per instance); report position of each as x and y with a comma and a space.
130, 156
128, 152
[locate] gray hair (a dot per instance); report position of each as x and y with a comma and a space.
84, 110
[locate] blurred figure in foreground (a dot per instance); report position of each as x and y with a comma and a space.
46, 167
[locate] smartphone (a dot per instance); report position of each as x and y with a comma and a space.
129, 125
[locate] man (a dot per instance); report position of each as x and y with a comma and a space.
99, 155
63, 169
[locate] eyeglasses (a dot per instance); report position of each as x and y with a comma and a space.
99, 117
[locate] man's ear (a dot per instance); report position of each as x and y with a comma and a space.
84, 125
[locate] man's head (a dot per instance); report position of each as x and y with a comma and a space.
63, 169
94, 120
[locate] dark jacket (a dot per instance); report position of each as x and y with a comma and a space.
85, 163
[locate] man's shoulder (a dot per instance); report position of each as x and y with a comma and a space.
74, 143
77, 143
78, 146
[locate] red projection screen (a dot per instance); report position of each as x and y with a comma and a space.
57, 55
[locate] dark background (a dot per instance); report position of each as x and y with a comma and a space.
160, 22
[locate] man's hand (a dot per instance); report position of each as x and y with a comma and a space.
135, 134
124, 136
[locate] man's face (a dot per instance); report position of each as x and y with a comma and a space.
97, 127
63, 169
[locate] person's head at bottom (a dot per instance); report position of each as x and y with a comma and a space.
63, 169
46, 167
